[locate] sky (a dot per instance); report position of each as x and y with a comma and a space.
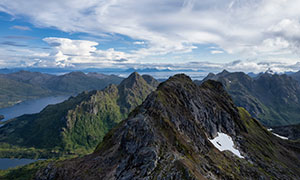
238, 35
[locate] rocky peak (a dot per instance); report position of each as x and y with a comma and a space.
207, 105
224, 72
133, 90
132, 80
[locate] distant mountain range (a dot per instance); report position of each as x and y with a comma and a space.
171, 136
273, 99
23, 85
76, 125
99, 70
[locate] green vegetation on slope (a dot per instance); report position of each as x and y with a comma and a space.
76, 125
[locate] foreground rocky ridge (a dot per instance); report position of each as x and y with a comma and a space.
78, 124
167, 138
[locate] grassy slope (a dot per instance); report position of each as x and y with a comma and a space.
74, 126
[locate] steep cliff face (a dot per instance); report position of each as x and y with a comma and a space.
169, 137
78, 124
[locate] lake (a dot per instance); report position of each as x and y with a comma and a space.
6, 163
30, 106
26, 107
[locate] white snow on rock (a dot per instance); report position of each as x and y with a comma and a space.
224, 142
282, 137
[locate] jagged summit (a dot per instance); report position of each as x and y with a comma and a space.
168, 137
224, 72
132, 79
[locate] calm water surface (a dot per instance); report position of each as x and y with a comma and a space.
30, 106
26, 107
6, 163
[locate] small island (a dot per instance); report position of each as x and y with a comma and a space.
1, 117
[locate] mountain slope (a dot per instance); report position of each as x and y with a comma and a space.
273, 99
24, 85
76, 82
78, 124
167, 137
12, 92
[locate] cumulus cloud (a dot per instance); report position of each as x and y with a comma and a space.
67, 52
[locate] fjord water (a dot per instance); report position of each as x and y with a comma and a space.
26, 107
6, 163
30, 106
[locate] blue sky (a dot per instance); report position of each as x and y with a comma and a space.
238, 35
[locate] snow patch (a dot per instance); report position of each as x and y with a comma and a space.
282, 137
224, 142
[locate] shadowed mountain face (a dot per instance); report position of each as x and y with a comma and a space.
291, 131
24, 85
167, 137
295, 76
78, 124
273, 99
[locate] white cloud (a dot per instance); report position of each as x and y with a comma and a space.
23, 28
139, 42
67, 52
216, 52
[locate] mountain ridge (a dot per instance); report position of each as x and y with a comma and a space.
167, 137
273, 99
